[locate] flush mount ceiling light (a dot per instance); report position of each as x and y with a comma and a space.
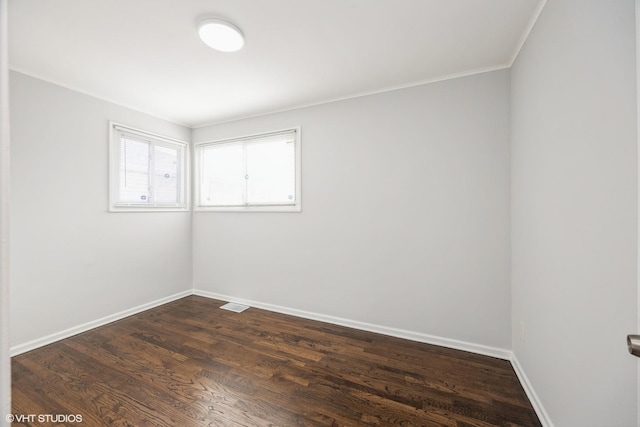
221, 35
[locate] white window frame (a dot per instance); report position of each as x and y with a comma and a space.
157, 140
197, 177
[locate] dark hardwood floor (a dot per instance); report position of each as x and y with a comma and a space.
189, 363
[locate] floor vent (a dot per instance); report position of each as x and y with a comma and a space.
232, 306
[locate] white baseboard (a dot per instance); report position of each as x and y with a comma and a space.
385, 330
355, 324
400, 333
531, 394
49, 339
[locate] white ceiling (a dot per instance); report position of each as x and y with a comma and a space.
146, 54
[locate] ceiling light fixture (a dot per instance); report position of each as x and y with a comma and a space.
221, 35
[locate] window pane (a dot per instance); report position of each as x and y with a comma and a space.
272, 173
223, 176
165, 175
134, 171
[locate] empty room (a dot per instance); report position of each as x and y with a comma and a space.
319, 213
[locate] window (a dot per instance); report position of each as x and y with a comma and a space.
253, 174
148, 172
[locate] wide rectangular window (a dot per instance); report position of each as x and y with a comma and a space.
256, 173
148, 172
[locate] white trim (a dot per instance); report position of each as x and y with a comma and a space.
451, 76
526, 32
369, 327
197, 165
148, 209
5, 362
250, 209
145, 133
49, 339
116, 129
384, 330
360, 94
531, 394
94, 95
252, 136
637, 331
445, 77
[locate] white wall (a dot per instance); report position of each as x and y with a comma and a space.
72, 262
405, 220
574, 211
5, 363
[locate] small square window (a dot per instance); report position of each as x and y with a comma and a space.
253, 174
148, 172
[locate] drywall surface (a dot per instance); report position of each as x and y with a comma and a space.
574, 211
5, 362
405, 214
72, 261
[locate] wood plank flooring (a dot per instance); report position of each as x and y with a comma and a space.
188, 363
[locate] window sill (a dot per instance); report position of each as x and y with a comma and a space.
248, 209
117, 209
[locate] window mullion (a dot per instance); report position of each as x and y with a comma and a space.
179, 175
135, 158
151, 173
245, 195
249, 173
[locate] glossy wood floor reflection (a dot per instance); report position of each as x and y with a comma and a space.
189, 363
